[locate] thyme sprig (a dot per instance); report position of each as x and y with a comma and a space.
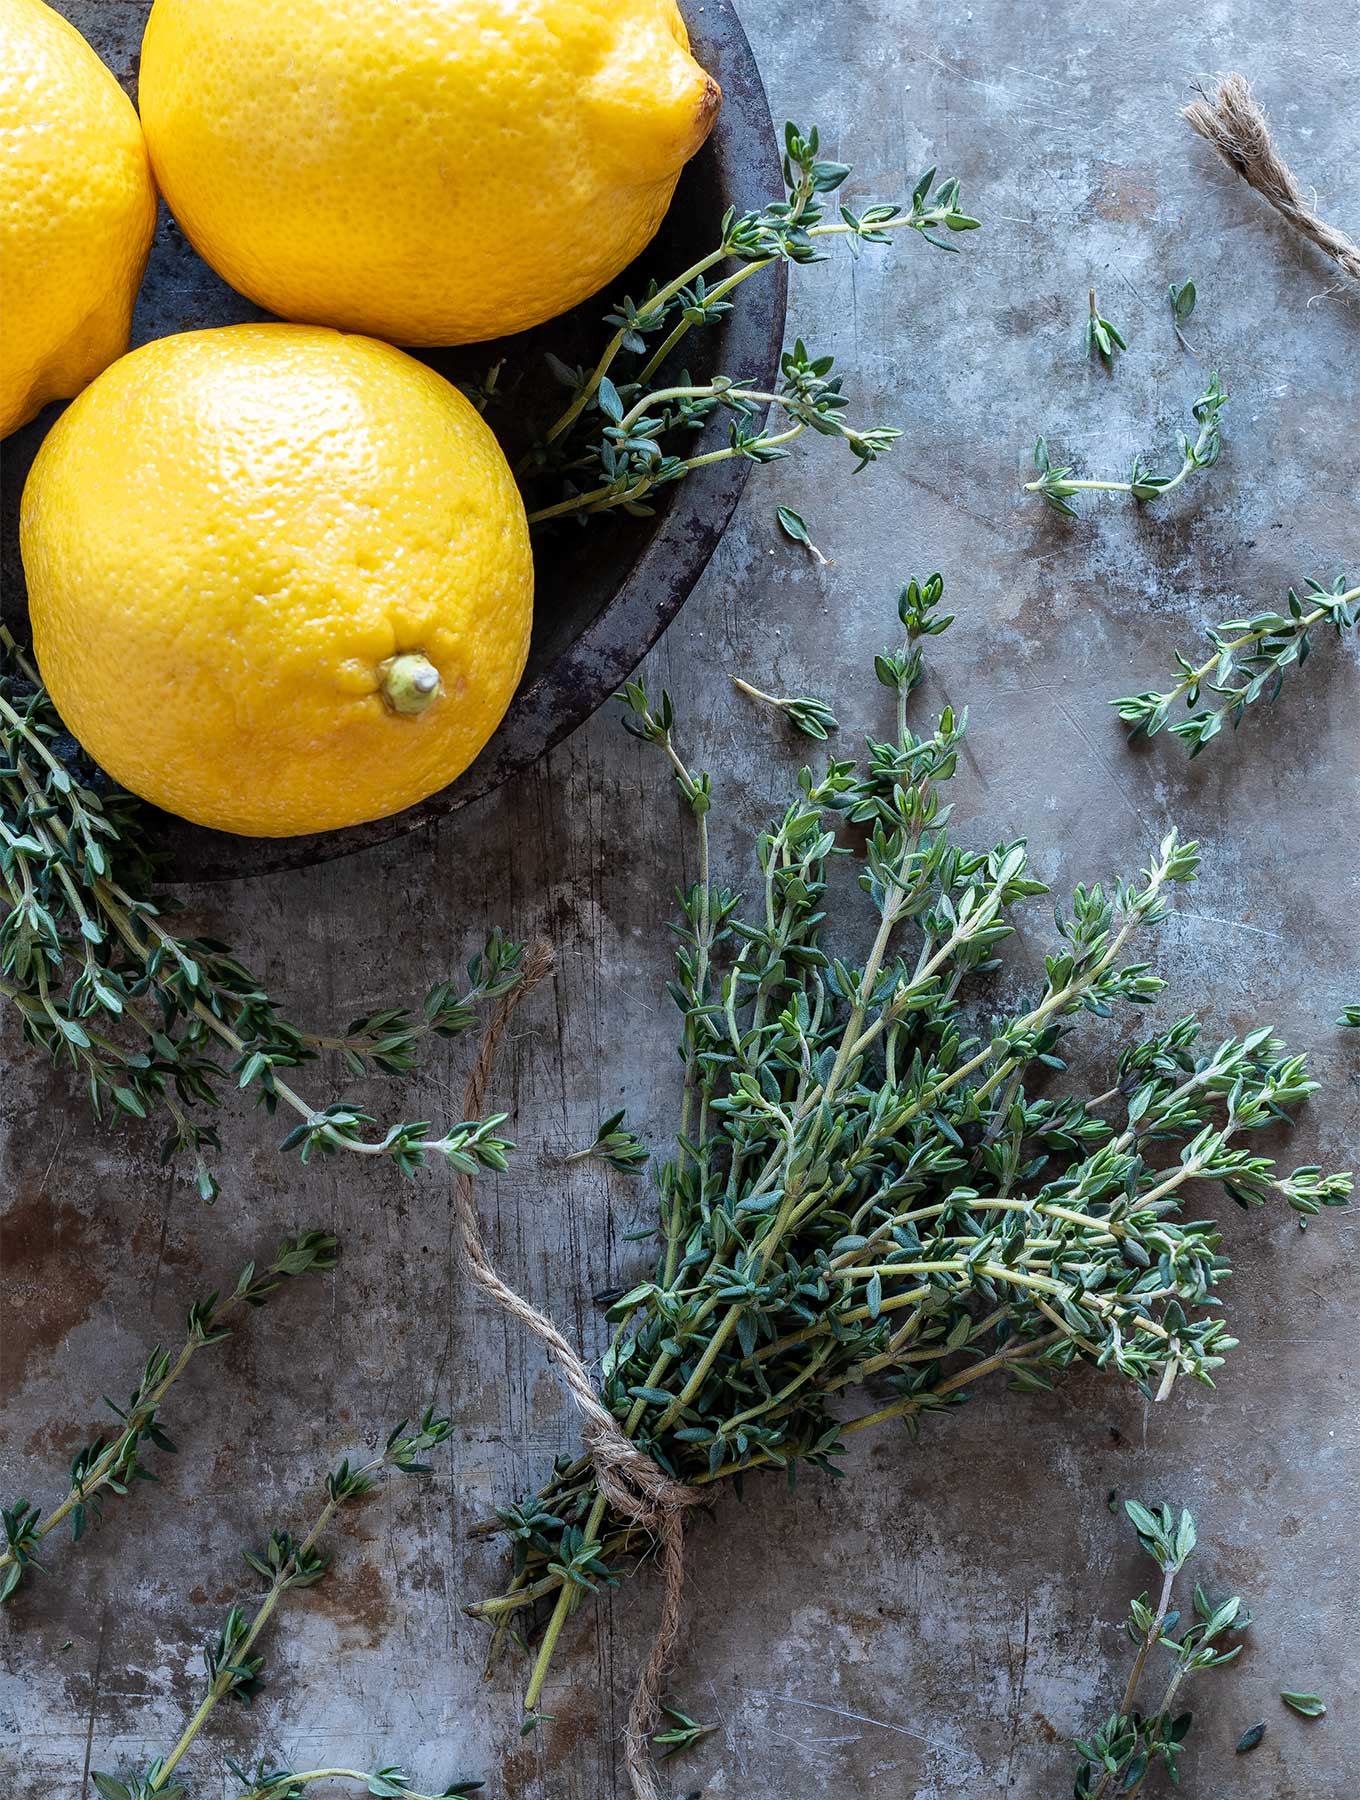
391, 1782
805, 712
1128, 1748
233, 1666
1181, 297
609, 449
1102, 338
614, 1144
682, 1734
1057, 487
631, 463
1251, 657
877, 1185
111, 1465
156, 1023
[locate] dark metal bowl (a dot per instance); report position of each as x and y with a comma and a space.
603, 595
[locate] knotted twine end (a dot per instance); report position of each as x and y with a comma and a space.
635, 1486
1234, 124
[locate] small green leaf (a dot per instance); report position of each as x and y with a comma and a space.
1182, 300
1308, 1706
794, 527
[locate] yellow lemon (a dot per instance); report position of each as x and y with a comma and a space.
429, 171
279, 578
77, 210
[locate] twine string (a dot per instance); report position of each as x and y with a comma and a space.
635, 1487
1235, 125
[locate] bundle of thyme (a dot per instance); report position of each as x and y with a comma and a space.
234, 1666
879, 1185
1130, 1745
158, 1024
620, 437
111, 1465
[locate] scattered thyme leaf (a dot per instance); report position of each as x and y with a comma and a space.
1307, 1706
682, 1734
1182, 297
793, 526
1251, 1738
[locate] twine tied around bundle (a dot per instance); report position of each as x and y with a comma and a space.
1234, 124
635, 1487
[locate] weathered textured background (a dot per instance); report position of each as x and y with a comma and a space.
941, 1621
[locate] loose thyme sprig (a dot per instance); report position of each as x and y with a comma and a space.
157, 1023
630, 460
232, 1663
874, 1188
622, 1149
389, 1042
1251, 657
1182, 298
112, 1465
813, 717
606, 450
1057, 487
1102, 338
682, 1734
392, 1782
1120, 1757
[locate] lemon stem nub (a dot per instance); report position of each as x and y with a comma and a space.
410, 682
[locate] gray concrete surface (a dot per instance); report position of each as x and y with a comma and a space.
939, 1623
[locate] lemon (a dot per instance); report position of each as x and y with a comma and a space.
279, 578
428, 171
77, 210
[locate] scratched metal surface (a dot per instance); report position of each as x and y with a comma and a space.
943, 1619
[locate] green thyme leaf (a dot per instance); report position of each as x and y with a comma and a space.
1182, 297
792, 525
1308, 1706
